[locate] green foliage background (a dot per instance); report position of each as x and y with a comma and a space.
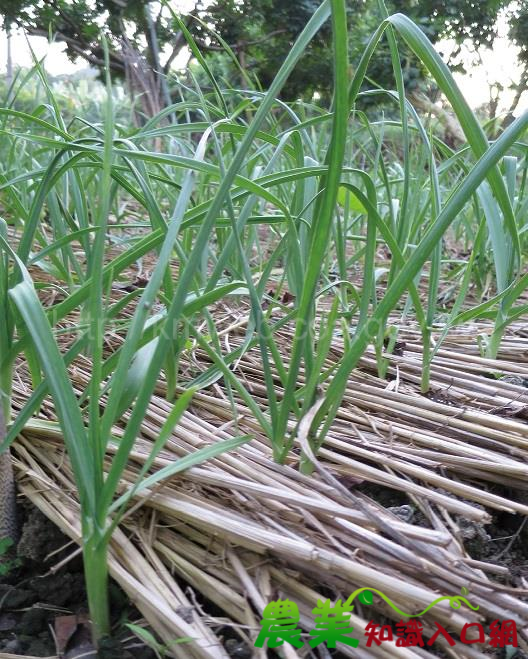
261, 33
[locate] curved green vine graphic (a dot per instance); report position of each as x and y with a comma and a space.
455, 601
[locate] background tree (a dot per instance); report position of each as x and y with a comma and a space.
261, 33
144, 41
136, 31
518, 21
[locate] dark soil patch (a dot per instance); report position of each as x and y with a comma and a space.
503, 542
39, 588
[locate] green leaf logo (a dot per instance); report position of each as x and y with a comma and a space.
366, 597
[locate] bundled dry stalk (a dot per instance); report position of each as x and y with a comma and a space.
241, 530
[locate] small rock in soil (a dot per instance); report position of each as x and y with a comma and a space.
238, 649
12, 646
85, 651
7, 622
405, 512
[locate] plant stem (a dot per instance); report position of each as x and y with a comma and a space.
8, 511
95, 556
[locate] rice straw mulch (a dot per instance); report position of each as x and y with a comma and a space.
241, 531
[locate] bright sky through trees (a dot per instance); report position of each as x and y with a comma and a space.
497, 65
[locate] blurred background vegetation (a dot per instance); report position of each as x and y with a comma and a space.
245, 42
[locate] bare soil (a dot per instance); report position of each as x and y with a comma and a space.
46, 583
